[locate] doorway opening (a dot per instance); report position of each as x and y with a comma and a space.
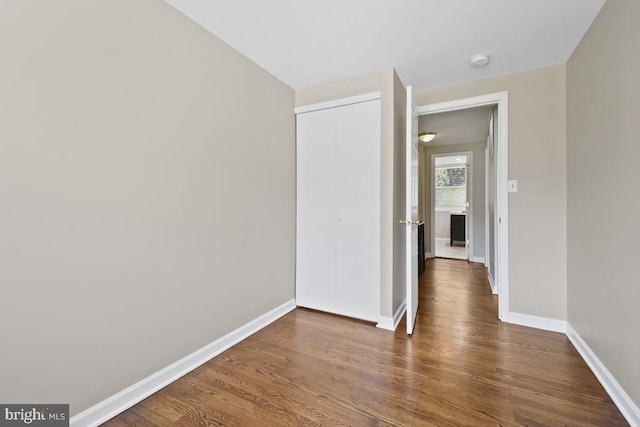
496, 223
451, 205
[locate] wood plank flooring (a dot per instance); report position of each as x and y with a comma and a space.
462, 367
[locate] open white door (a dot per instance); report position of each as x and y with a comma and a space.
411, 212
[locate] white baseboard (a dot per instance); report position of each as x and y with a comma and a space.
391, 323
545, 323
478, 259
112, 406
428, 255
492, 284
494, 289
620, 397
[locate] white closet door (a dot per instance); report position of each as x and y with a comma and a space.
315, 235
357, 195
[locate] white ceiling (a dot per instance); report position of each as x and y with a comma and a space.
457, 127
428, 42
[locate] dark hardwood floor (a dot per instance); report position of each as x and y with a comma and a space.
462, 367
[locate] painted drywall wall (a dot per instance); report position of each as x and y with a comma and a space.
603, 152
491, 188
424, 194
443, 224
478, 198
141, 218
383, 82
537, 213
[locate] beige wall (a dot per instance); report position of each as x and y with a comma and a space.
442, 225
492, 188
147, 185
382, 81
537, 159
603, 152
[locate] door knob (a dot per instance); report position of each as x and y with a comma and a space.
402, 221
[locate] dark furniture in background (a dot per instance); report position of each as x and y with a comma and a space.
457, 228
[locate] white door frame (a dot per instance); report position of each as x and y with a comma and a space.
501, 255
487, 255
469, 209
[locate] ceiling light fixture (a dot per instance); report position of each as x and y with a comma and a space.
426, 136
479, 60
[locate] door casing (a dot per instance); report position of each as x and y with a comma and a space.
501, 253
469, 209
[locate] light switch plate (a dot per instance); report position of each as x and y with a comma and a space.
513, 186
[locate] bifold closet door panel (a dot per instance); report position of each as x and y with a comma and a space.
358, 210
315, 231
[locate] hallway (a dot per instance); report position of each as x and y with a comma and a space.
462, 367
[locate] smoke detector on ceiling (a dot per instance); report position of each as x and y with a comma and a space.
479, 60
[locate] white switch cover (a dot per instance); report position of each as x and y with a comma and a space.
513, 186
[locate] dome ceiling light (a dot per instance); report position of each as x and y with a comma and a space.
426, 136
